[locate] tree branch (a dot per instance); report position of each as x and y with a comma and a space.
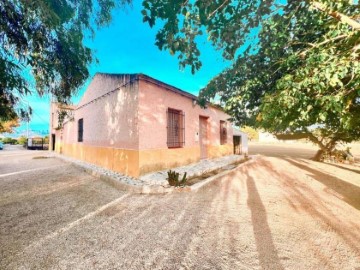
337, 15
303, 53
219, 7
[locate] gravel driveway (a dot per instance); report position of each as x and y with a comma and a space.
270, 213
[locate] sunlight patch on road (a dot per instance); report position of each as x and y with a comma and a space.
76, 222
31, 170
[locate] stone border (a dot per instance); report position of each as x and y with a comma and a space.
193, 170
141, 187
211, 179
157, 189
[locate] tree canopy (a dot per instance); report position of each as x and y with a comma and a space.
8, 126
42, 48
299, 71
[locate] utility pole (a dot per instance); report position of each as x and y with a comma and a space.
27, 133
27, 127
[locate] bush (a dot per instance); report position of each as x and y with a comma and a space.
22, 140
252, 133
338, 156
173, 179
9, 140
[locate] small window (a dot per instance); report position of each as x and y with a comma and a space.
80, 129
223, 132
175, 128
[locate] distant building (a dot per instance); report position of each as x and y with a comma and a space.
267, 137
240, 140
135, 124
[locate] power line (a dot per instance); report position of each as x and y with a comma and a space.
47, 122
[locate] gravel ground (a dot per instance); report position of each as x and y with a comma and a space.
270, 213
295, 150
40, 196
157, 178
192, 170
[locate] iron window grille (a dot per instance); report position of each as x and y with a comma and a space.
175, 128
80, 129
223, 132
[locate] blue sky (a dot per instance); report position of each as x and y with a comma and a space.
127, 46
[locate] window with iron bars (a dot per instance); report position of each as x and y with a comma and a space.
80, 129
175, 128
223, 132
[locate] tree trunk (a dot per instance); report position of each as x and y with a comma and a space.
324, 149
326, 143
319, 155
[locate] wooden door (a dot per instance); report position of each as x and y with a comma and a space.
53, 142
203, 138
237, 145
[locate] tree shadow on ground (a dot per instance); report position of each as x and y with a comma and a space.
344, 168
350, 192
304, 198
268, 256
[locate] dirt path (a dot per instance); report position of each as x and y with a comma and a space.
271, 213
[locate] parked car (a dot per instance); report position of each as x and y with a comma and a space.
1, 146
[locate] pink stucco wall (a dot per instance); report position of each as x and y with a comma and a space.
109, 121
154, 101
53, 118
134, 116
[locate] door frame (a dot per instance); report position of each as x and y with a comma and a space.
203, 143
53, 140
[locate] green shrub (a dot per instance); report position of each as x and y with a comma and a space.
22, 140
9, 140
173, 179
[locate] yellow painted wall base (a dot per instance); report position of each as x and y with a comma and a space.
160, 159
119, 160
135, 163
215, 151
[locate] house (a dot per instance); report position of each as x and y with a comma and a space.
135, 124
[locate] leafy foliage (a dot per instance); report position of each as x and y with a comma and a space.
8, 126
173, 179
42, 48
252, 133
299, 73
22, 140
9, 140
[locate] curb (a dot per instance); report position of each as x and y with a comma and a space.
216, 177
156, 189
153, 189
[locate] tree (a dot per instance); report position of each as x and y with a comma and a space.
299, 76
42, 48
252, 133
9, 140
8, 126
22, 140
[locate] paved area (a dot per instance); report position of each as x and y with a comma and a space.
271, 213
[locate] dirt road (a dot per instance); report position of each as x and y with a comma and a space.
270, 213
294, 150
